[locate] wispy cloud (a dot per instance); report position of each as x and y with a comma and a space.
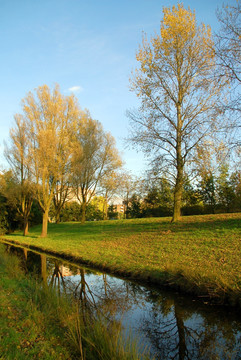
76, 89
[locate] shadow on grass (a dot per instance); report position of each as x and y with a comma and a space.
26, 236
212, 223
187, 224
115, 228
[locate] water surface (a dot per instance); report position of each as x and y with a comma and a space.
172, 325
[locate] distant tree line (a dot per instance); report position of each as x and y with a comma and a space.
211, 193
214, 191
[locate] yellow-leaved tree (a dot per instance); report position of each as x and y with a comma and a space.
178, 92
17, 154
49, 119
95, 157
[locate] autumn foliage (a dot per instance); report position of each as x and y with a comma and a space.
178, 94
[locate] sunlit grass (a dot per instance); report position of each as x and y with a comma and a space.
200, 254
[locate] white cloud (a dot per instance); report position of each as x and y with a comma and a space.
76, 89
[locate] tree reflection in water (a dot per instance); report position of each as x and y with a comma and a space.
175, 327
191, 330
57, 279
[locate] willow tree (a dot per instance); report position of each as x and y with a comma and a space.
49, 119
95, 157
178, 92
17, 154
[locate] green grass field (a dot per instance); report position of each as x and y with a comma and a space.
200, 254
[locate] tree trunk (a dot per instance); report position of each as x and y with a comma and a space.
57, 216
25, 227
45, 223
105, 209
178, 197
83, 212
179, 167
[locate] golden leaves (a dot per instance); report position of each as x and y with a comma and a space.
49, 120
180, 38
178, 25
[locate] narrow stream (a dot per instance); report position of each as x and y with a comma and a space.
171, 325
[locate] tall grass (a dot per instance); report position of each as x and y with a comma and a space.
37, 323
100, 338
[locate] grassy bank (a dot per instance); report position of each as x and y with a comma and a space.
200, 254
35, 323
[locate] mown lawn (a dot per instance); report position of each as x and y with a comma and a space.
200, 254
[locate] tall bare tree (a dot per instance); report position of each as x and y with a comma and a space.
228, 52
109, 187
178, 94
127, 188
95, 156
49, 118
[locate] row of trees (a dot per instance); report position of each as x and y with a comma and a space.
188, 84
56, 149
214, 192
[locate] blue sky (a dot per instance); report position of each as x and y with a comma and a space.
86, 46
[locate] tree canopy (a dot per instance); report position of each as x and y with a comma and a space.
94, 157
60, 148
178, 94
